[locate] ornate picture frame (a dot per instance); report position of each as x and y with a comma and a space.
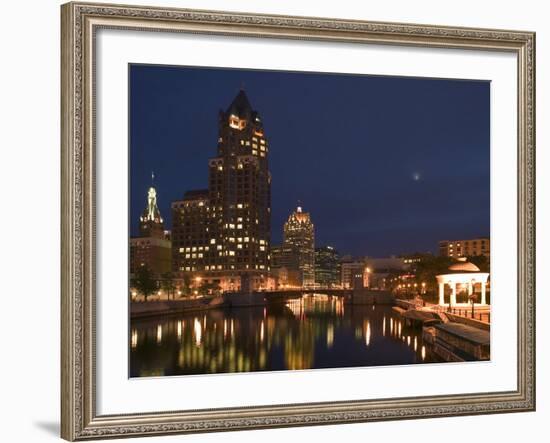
80, 22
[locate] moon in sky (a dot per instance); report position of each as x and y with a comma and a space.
416, 176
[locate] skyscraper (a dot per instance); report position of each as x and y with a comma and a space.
327, 267
152, 248
299, 240
223, 232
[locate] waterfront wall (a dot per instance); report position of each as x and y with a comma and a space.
469, 322
236, 300
164, 307
369, 297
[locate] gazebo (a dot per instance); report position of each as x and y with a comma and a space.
462, 273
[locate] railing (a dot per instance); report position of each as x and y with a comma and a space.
483, 316
463, 312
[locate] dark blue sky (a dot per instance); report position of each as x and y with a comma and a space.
347, 146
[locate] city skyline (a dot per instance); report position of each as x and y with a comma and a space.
362, 211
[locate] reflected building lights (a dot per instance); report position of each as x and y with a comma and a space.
198, 332
330, 335
134, 339
367, 333
262, 331
159, 334
214, 344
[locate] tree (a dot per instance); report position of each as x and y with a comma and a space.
429, 267
167, 284
480, 261
209, 288
186, 285
144, 282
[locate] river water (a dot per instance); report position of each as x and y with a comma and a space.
311, 332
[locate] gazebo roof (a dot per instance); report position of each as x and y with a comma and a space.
463, 266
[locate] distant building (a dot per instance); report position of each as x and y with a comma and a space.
350, 272
299, 240
370, 272
465, 248
327, 267
296, 256
152, 248
222, 234
285, 266
417, 257
379, 270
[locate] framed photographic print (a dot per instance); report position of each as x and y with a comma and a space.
280, 221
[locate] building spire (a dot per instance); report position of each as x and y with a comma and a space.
152, 178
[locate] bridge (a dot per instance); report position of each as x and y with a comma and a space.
288, 294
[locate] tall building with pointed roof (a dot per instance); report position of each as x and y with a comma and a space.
299, 245
223, 232
152, 248
151, 223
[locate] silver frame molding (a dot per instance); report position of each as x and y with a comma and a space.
79, 22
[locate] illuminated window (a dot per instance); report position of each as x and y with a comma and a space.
240, 205
231, 252
212, 241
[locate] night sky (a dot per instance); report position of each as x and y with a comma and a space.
385, 165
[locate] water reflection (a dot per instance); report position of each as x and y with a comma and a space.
304, 333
